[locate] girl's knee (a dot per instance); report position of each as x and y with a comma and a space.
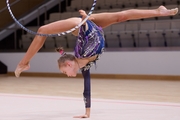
42, 29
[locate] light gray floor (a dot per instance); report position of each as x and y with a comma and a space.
31, 107
39, 98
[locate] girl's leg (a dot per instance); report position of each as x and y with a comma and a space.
106, 19
38, 41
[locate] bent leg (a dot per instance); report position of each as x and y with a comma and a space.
106, 19
37, 43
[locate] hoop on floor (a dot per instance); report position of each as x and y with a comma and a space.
50, 35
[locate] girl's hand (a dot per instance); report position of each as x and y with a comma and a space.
84, 15
82, 116
87, 114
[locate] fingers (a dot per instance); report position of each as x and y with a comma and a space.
84, 15
82, 116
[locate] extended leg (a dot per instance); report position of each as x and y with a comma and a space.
106, 19
55, 27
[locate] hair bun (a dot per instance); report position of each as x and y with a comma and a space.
60, 50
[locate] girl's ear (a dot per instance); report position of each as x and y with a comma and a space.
68, 63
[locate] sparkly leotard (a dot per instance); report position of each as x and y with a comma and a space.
89, 43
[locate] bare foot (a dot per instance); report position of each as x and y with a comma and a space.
20, 68
166, 12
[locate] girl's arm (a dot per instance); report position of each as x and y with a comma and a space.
87, 88
87, 93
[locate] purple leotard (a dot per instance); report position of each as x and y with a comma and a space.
89, 43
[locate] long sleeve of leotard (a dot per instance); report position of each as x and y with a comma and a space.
87, 88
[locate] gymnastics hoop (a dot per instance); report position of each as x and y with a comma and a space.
50, 35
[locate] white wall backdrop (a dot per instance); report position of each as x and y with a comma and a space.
141, 63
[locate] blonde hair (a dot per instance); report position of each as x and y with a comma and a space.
64, 57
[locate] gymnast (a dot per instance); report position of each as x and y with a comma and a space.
89, 45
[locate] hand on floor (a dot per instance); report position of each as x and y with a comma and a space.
82, 116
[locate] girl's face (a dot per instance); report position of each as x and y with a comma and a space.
70, 68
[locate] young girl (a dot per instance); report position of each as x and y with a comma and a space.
89, 45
